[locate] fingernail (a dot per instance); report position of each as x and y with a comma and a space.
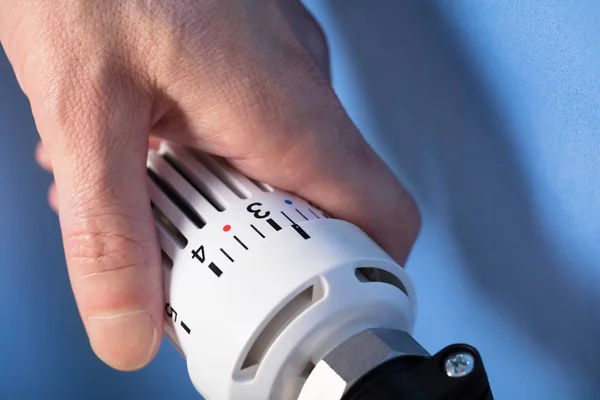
126, 341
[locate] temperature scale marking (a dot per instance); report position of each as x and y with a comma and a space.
301, 232
240, 242
313, 213
288, 218
216, 270
297, 228
172, 314
257, 231
302, 215
226, 255
274, 224
186, 328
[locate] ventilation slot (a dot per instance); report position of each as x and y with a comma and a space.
214, 199
307, 370
177, 199
368, 274
166, 261
263, 186
222, 170
278, 323
169, 227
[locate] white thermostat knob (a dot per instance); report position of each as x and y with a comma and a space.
260, 285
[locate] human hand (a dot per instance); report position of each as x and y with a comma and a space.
245, 80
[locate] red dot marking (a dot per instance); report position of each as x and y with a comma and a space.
226, 228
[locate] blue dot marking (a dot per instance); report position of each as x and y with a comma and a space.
288, 202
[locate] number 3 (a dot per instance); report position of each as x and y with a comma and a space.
257, 211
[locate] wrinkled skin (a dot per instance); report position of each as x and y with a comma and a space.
246, 80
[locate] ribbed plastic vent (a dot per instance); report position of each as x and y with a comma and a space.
213, 198
224, 172
187, 185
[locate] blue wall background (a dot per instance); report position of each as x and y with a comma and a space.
488, 110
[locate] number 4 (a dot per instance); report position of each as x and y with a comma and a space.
199, 254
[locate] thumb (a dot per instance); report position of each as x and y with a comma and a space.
95, 130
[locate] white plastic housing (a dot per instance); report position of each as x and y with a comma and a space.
260, 284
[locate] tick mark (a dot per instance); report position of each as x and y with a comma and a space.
226, 255
302, 215
301, 232
274, 224
313, 213
257, 231
297, 228
186, 328
240, 242
216, 270
288, 218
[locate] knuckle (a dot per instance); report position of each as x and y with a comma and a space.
96, 249
99, 252
113, 264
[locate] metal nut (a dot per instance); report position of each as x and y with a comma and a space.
352, 359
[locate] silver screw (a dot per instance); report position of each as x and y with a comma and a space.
459, 365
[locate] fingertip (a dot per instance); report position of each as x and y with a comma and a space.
126, 342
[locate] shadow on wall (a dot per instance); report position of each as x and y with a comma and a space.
441, 115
